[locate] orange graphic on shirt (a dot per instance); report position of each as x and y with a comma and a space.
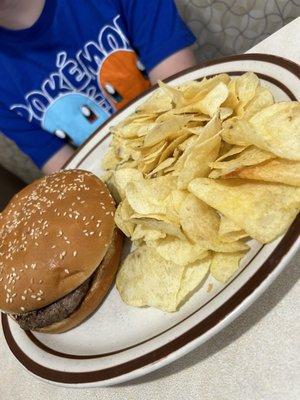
122, 77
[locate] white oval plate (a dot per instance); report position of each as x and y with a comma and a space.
119, 342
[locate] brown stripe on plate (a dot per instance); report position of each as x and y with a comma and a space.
282, 62
158, 354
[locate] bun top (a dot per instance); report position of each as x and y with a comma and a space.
53, 235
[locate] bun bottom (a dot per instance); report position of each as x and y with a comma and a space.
100, 285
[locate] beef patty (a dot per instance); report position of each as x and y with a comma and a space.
55, 312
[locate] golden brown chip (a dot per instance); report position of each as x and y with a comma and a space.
263, 210
250, 156
278, 170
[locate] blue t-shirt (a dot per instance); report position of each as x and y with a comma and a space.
81, 60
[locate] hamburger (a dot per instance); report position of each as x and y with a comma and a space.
59, 251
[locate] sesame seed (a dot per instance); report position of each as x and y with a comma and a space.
22, 309
53, 247
100, 234
39, 299
41, 281
74, 253
33, 296
23, 297
67, 271
91, 233
9, 291
6, 301
107, 213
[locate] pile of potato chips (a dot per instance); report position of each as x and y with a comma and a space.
197, 170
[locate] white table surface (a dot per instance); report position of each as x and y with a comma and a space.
257, 357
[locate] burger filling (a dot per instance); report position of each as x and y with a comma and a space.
54, 312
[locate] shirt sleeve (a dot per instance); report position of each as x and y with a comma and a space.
38, 144
155, 29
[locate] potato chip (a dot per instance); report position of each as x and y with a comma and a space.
148, 153
158, 102
224, 265
146, 279
229, 231
278, 170
263, 98
165, 130
227, 226
210, 103
179, 251
169, 150
148, 196
110, 160
209, 131
225, 112
144, 233
122, 215
162, 225
197, 161
263, 210
123, 176
193, 277
198, 220
218, 245
246, 86
228, 151
164, 164
277, 129
194, 91
250, 156
236, 131
174, 203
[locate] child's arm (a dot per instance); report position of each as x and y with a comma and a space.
175, 63
56, 162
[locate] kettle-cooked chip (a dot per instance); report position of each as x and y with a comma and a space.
147, 279
278, 170
198, 220
263, 210
224, 265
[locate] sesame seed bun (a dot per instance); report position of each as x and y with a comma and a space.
53, 236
